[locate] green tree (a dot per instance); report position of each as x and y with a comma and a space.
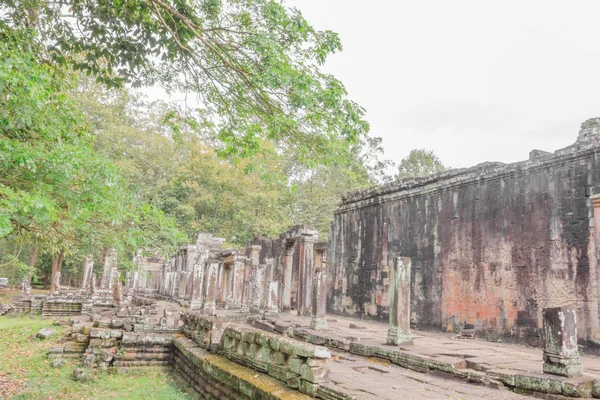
317, 192
419, 163
56, 192
254, 64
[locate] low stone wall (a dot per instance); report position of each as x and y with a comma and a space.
125, 338
64, 308
65, 304
299, 365
205, 331
215, 377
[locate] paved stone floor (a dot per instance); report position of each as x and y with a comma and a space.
480, 354
371, 379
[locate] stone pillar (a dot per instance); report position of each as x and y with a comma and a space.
93, 284
561, 354
306, 275
237, 287
258, 287
256, 278
272, 306
134, 285
247, 286
399, 329
319, 302
197, 285
110, 266
210, 284
286, 295
87, 272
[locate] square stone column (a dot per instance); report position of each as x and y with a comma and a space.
87, 272
197, 286
210, 284
399, 329
272, 306
247, 286
561, 354
110, 265
256, 278
237, 287
288, 265
258, 287
319, 302
306, 274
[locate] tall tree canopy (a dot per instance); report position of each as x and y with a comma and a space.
56, 192
419, 163
269, 140
254, 64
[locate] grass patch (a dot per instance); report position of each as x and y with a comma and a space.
25, 372
7, 294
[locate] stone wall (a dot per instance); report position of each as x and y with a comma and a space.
491, 246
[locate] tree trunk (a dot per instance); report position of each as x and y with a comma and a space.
32, 260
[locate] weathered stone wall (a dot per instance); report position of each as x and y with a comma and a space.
491, 246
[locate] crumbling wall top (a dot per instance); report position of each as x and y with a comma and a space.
588, 141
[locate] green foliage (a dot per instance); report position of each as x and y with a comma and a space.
419, 163
254, 64
214, 195
55, 189
317, 192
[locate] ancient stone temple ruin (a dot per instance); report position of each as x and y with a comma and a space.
491, 246
502, 252
268, 276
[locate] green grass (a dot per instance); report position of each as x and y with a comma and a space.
25, 371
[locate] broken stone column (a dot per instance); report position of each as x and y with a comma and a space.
272, 306
256, 278
561, 354
93, 284
258, 286
116, 288
87, 272
306, 274
237, 288
197, 285
247, 287
399, 329
210, 294
286, 293
319, 302
110, 266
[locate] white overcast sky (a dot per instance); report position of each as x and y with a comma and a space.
473, 80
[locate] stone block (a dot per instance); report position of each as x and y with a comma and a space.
116, 333
295, 364
82, 375
74, 347
578, 387
81, 338
46, 333
308, 388
539, 383
315, 374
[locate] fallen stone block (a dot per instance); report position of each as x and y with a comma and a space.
58, 362
578, 387
82, 375
45, 333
